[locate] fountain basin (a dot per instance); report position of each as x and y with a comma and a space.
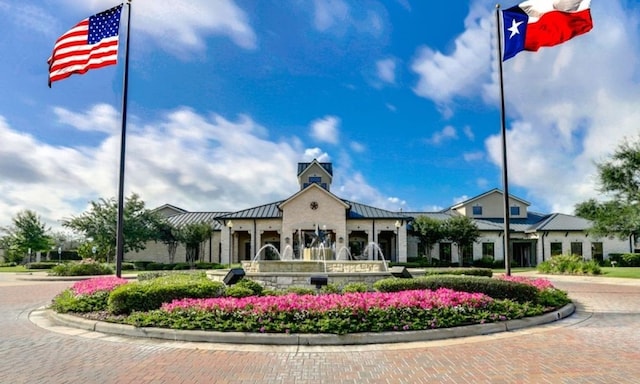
319, 266
279, 274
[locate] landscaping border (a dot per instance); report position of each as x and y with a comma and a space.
306, 339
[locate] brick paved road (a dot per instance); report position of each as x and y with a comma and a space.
600, 344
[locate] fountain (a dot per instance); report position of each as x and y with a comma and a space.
284, 270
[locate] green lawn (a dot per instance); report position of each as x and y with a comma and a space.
628, 272
17, 268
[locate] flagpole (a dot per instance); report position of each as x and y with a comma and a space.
503, 130
123, 135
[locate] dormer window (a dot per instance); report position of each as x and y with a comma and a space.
477, 210
514, 211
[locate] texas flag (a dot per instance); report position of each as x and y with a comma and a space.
543, 23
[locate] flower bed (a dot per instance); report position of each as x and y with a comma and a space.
337, 313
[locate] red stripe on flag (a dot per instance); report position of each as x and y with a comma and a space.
557, 27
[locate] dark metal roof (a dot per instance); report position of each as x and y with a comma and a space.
517, 224
183, 219
562, 222
267, 211
361, 211
327, 167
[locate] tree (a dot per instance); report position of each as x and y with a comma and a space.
100, 224
169, 235
27, 233
430, 231
462, 231
192, 236
619, 178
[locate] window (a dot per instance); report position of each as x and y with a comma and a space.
576, 249
445, 252
556, 249
515, 211
315, 179
477, 210
489, 250
597, 252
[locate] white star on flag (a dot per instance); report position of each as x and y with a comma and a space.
514, 28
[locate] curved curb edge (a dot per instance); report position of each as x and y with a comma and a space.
302, 339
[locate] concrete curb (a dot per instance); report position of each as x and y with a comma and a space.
303, 339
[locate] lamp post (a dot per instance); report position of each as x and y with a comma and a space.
59, 255
230, 226
93, 251
398, 224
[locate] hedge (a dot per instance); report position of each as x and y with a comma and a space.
151, 294
486, 272
497, 289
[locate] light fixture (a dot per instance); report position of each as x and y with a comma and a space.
319, 281
401, 272
233, 276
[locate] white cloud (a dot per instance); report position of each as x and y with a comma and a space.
567, 107
316, 153
353, 186
29, 16
326, 129
473, 156
99, 118
184, 25
570, 109
357, 147
386, 69
329, 13
460, 199
443, 76
446, 133
468, 132
193, 161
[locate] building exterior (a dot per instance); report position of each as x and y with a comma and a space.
315, 218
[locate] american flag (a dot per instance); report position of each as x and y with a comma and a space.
92, 43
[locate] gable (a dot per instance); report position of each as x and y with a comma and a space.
491, 205
315, 173
168, 210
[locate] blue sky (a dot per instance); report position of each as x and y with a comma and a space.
226, 97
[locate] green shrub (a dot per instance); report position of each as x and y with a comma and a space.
569, 264
67, 301
300, 290
151, 294
141, 265
497, 289
487, 272
142, 276
255, 287
127, 267
485, 262
238, 291
331, 288
41, 265
355, 287
553, 298
9, 264
178, 266
631, 260
81, 269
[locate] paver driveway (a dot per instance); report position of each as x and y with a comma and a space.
598, 344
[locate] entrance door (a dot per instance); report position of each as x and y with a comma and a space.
523, 254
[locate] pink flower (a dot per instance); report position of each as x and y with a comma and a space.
539, 283
355, 302
91, 286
